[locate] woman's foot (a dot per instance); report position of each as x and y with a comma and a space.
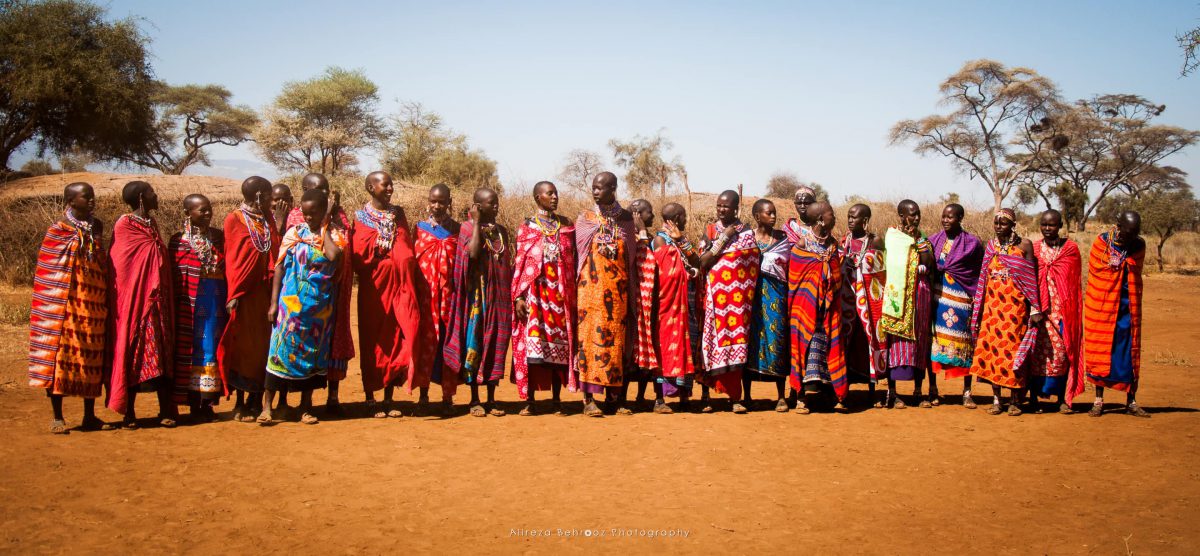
662, 408
934, 399
1136, 410
781, 406
738, 408
309, 419
375, 410
802, 408
623, 411
1065, 409
839, 407
478, 411
1014, 410
557, 409
166, 422
58, 426
447, 408
527, 411
1096, 410
93, 423
265, 418
925, 404
969, 402
394, 413
996, 409
896, 401
590, 409
130, 423
708, 408
496, 412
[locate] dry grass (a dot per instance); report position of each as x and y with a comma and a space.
14, 313
1170, 358
27, 207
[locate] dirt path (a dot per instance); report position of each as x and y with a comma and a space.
941, 480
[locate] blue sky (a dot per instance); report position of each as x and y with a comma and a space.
742, 88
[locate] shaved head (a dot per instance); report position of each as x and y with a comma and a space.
254, 185
861, 209
483, 194
373, 177
314, 180
818, 209
907, 204
76, 189
193, 200
441, 189
731, 195
672, 211
607, 180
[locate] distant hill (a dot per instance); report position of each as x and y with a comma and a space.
215, 188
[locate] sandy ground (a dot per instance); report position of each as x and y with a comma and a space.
874, 481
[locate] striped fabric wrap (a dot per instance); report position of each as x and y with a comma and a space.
1023, 274
68, 314
815, 305
186, 273
1112, 271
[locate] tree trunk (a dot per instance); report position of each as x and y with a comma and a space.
998, 201
1161, 243
1081, 226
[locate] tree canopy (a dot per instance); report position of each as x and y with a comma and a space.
785, 184
189, 119
319, 125
644, 160
71, 79
419, 147
580, 167
991, 107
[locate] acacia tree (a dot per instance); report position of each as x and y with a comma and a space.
580, 167
71, 79
784, 185
418, 146
1104, 144
645, 165
992, 105
1189, 42
319, 124
1165, 210
189, 119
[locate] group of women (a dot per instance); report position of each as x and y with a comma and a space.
617, 296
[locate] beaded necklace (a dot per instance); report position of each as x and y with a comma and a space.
856, 255
145, 221
606, 236
384, 225
683, 253
550, 248
490, 243
85, 233
260, 240
1116, 255
201, 245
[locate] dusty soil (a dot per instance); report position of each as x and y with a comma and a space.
873, 481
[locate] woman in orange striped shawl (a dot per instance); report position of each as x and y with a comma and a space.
67, 318
1112, 313
815, 310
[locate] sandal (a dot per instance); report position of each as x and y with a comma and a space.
802, 408
309, 419
166, 422
1136, 410
527, 411
395, 413
996, 409
623, 411
925, 404
478, 411
265, 419
840, 408
969, 402
494, 412
1014, 410
935, 400
558, 410
58, 426
662, 408
374, 409
129, 425
898, 403
591, 410
781, 406
738, 409
94, 424
708, 408
1096, 410
1065, 409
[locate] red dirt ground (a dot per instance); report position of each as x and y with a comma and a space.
875, 481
